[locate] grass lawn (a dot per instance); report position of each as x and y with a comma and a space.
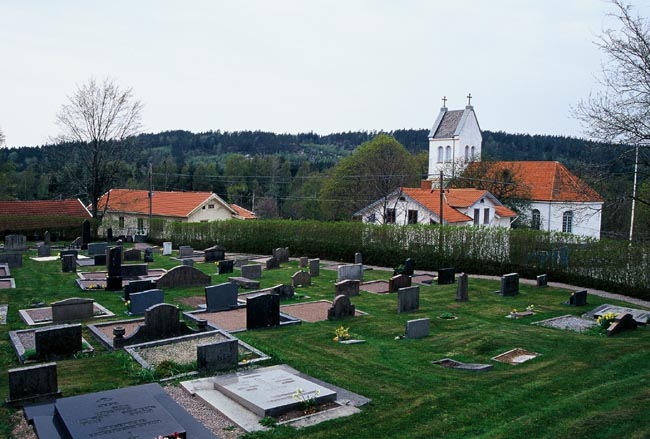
582, 385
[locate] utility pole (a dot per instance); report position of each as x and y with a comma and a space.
150, 198
442, 235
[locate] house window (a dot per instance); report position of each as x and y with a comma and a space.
372, 218
140, 225
390, 216
210, 206
567, 222
486, 216
440, 154
477, 216
472, 156
466, 153
536, 220
412, 216
120, 222
448, 158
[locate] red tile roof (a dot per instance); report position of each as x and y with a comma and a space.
544, 181
431, 200
504, 212
176, 204
243, 213
69, 208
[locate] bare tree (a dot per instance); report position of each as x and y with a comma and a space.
99, 117
2, 137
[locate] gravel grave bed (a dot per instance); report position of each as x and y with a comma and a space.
375, 286
183, 352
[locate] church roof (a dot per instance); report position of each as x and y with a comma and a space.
450, 123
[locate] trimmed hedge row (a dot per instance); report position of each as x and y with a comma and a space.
614, 266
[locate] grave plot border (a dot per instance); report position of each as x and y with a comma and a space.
20, 350
29, 321
195, 316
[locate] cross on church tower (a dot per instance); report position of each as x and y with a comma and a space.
444, 101
469, 99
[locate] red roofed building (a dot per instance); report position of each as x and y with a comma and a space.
68, 208
560, 201
127, 210
422, 206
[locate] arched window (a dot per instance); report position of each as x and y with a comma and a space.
466, 153
440, 154
536, 220
448, 158
473, 152
567, 222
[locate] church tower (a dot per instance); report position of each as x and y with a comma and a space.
454, 141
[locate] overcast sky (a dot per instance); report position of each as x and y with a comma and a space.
295, 66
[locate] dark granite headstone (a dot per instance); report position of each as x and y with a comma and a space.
418, 328
160, 321
284, 291
137, 286
252, 271
509, 284
100, 260
409, 267
221, 297
314, 267
347, 288
262, 311
63, 253
113, 283
185, 251
272, 263
623, 322
187, 262
222, 355
74, 308
14, 260
32, 383
44, 250
60, 340
77, 242
132, 254
133, 271
398, 281
97, 248
226, 267
85, 233
578, 298
341, 307
446, 276
301, 278
303, 262
542, 280
182, 276
281, 254
145, 299
462, 292
69, 264
408, 299
214, 253
114, 261
148, 255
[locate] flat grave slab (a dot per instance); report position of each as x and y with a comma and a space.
515, 356
568, 323
5, 271
233, 320
85, 262
44, 258
7, 283
423, 279
311, 311
43, 315
375, 286
641, 316
454, 364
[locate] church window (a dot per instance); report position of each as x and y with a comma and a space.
536, 220
440, 154
390, 216
473, 152
448, 158
466, 153
567, 222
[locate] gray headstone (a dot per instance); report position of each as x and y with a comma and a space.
185, 251
398, 281
15, 242
301, 278
222, 355
314, 267
341, 307
214, 253
509, 284
418, 328
74, 308
33, 383
182, 276
641, 316
69, 264
148, 254
358, 258
14, 260
145, 299
244, 282
62, 253
446, 276
137, 286
44, 250
347, 288
408, 299
167, 248
132, 255
623, 322
462, 291
225, 267
351, 271
262, 311
46, 238
188, 262
272, 263
303, 261
97, 248
60, 340
134, 271
542, 280
252, 271
221, 297
78, 242
409, 267
281, 254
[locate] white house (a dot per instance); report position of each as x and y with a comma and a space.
423, 206
454, 140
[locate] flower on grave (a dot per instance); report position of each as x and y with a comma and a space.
127, 303
530, 308
605, 320
342, 333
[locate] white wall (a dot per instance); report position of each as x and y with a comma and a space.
470, 136
205, 213
586, 217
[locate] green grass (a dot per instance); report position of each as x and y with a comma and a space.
582, 385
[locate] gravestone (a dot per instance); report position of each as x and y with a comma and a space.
182, 276
185, 251
446, 276
97, 248
409, 267
358, 258
398, 281
462, 291
132, 254
252, 271
63, 253
350, 271
221, 297
408, 299
578, 298
187, 262
509, 284
167, 248
85, 233
281, 254
303, 262
347, 288
13, 260
78, 241
641, 316
33, 383
623, 322
136, 286
542, 280
69, 264
225, 266
114, 261
160, 321
301, 278
148, 255
109, 234
262, 311
314, 267
418, 328
47, 240
44, 250
244, 282
15, 242
284, 291
341, 307
74, 308
133, 271
60, 340
222, 355
214, 253
99, 260
145, 299
272, 264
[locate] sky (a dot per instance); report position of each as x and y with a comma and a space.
290, 66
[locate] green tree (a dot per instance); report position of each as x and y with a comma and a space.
372, 172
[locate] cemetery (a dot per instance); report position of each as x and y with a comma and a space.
242, 353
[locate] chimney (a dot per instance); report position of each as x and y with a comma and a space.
426, 184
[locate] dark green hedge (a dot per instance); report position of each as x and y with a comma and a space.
614, 266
